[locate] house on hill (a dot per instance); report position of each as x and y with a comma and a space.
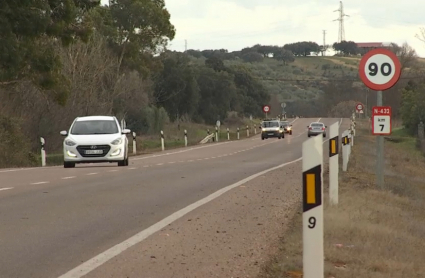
367, 46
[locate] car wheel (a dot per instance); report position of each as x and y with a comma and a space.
290, 133
279, 137
262, 138
324, 135
309, 135
126, 162
68, 164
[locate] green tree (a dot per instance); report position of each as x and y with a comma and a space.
413, 105
28, 31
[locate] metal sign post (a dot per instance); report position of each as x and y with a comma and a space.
266, 109
380, 70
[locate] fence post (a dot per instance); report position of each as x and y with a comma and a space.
162, 141
238, 133
134, 143
185, 138
228, 134
43, 152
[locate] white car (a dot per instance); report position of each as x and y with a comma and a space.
95, 139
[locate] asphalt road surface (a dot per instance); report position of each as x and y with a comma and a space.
54, 219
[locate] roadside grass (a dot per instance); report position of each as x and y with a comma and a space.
372, 233
174, 138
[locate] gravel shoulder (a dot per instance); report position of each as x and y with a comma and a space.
231, 236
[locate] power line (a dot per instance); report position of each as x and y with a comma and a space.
341, 33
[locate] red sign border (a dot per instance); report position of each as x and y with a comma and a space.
264, 110
389, 84
358, 110
379, 114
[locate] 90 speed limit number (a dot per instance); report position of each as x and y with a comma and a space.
380, 69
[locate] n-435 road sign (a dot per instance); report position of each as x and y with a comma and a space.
381, 120
380, 69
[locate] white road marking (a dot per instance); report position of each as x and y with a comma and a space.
159, 164
67, 178
146, 166
190, 161
113, 171
172, 162
132, 168
40, 182
6, 188
90, 174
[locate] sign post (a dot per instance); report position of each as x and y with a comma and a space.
359, 108
313, 251
266, 109
380, 70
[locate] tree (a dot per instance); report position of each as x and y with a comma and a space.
286, 56
413, 105
302, 48
252, 57
215, 63
348, 48
29, 29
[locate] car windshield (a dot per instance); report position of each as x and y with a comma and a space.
284, 123
94, 127
317, 125
270, 124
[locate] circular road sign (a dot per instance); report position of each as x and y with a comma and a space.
266, 108
359, 107
380, 69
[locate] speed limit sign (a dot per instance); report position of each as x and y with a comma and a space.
359, 107
266, 109
379, 69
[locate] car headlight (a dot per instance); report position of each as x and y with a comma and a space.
70, 143
263, 129
117, 141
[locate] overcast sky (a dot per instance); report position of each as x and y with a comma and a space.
235, 24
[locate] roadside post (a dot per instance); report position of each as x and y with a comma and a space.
247, 131
313, 251
43, 152
333, 163
228, 134
208, 134
185, 138
238, 133
380, 70
360, 109
345, 146
134, 143
162, 141
255, 129
216, 133
266, 109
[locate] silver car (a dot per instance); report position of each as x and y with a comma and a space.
316, 128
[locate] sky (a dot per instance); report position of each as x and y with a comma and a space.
235, 24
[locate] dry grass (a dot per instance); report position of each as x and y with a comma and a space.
371, 233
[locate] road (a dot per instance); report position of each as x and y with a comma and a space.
53, 219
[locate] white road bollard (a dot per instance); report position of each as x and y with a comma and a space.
228, 134
247, 131
185, 138
333, 163
345, 154
352, 137
43, 152
238, 133
134, 143
255, 129
162, 141
312, 176
208, 133
216, 134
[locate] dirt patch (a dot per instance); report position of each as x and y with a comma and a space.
371, 233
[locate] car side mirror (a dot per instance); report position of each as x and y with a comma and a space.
64, 133
126, 131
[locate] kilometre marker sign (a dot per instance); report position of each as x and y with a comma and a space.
380, 69
381, 120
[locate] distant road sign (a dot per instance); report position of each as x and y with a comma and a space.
381, 120
266, 109
218, 123
359, 107
379, 69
